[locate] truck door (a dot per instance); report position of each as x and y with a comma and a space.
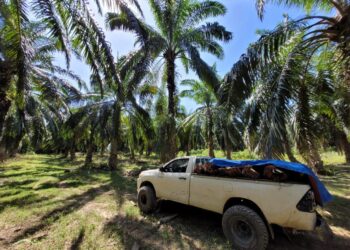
206, 191
175, 181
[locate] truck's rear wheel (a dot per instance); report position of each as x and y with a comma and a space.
244, 228
146, 199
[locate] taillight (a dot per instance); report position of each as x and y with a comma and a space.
307, 203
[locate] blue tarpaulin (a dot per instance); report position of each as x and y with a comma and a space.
320, 190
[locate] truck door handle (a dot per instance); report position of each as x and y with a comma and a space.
182, 178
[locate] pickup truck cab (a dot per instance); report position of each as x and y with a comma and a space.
249, 207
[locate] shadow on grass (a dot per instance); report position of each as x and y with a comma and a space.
4, 194
25, 188
191, 225
131, 231
81, 176
24, 200
2, 169
70, 205
144, 233
122, 186
15, 184
59, 160
321, 238
75, 245
339, 208
340, 211
18, 188
17, 174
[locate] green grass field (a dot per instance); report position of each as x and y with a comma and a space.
47, 202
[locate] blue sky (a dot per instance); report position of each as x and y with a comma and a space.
241, 19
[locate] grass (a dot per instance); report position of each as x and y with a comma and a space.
47, 202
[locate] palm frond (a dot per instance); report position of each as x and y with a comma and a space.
306, 4
238, 83
203, 70
199, 11
128, 21
46, 11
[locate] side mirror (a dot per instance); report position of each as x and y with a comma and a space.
161, 169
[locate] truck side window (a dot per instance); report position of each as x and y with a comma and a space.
177, 166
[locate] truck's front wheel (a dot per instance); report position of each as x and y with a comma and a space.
244, 228
146, 199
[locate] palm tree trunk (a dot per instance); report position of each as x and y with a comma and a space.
132, 152
142, 147
113, 156
344, 144
288, 150
65, 153
88, 157
15, 146
72, 152
103, 148
15, 142
228, 146
289, 153
188, 148
170, 71
171, 149
148, 149
3, 154
210, 133
5, 103
90, 149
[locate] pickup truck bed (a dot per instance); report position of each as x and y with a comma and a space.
277, 201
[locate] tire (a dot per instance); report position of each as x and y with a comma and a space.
244, 228
146, 199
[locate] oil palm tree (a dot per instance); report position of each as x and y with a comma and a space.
275, 89
69, 23
295, 76
179, 34
330, 106
332, 30
99, 112
41, 80
214, 120
45, 107
203, 96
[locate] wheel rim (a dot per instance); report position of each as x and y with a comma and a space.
242, 231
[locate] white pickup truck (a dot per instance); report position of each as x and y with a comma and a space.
249, 207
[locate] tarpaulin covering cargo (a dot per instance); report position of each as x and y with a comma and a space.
321, 193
